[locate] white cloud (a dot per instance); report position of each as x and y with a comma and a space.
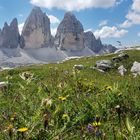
53, 31
138, 34
103, 23
53, 19
75, 5
136, 5
133, 16
110, 32
126, 24
20, 27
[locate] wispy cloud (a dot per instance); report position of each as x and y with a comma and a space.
103, 23
133, 16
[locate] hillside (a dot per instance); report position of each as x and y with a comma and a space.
57, 102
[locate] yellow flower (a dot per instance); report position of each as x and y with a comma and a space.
62, 98
10, 127
108, 87
96, 124
65, 116
12, 119
24, 129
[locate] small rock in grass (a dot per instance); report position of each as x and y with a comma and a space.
78, 67
122, 70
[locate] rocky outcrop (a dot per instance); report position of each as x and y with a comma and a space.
96, 45
70, 34
120, 57
135, 69
9, 36
104, 65
36, 31
122, 70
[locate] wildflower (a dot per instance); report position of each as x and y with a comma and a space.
108, 88
10, 130
118, 109
90, 128
13, 118
65, 116
62, 85
46, 102
26, 76
10, 126
120, 94
97, 124
62, 98
22, 130
98, 134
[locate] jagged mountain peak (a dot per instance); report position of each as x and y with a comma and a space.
14, 23
70, 24
69, 15
69, 34
36, 31
6, 24
89, 34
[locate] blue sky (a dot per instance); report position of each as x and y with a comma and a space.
112, 20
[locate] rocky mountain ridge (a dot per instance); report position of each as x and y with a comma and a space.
37, 42
36, 33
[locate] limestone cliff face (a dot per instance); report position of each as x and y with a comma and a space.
36, 31
96, 45
70, 34
9, 35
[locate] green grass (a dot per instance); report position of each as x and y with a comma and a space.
106, 103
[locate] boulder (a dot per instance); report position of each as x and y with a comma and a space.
36, 31
104, 65
120, 57
122, 70
135, 69
70, 34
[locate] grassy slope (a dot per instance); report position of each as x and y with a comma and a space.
86, 96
